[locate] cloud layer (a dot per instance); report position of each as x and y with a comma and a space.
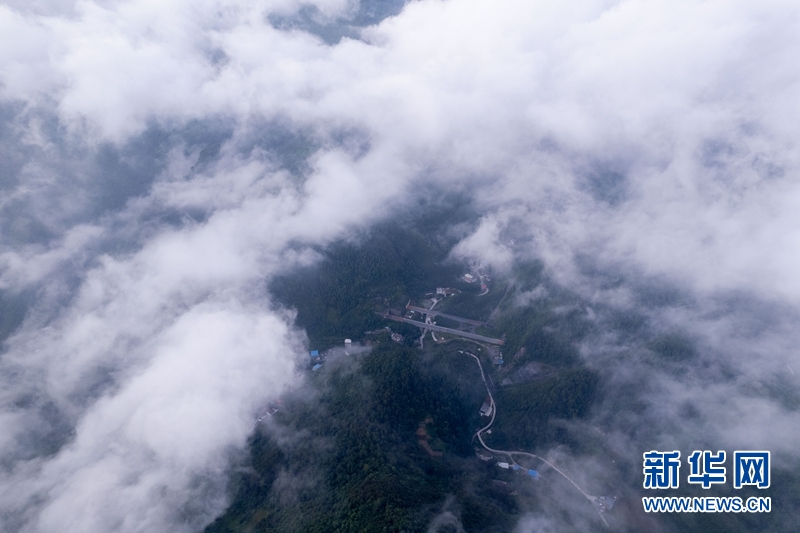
162, 160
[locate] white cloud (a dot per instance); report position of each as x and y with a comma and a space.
208, 373
689, 108
485, 244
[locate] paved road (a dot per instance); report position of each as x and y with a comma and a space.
441, 329
511, 454
443, 315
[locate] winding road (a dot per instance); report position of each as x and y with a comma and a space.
511, 454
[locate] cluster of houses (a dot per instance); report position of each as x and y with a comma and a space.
496, 355
530, 472
604, 503
273, 408
317, 358
446, 291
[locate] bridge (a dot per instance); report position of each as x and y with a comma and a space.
434, 327
443, 315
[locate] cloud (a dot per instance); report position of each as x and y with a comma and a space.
130, 461
485, 243
145, 202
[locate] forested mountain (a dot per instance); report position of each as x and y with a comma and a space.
344, 453
384, 440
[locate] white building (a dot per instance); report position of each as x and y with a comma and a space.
486, 408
